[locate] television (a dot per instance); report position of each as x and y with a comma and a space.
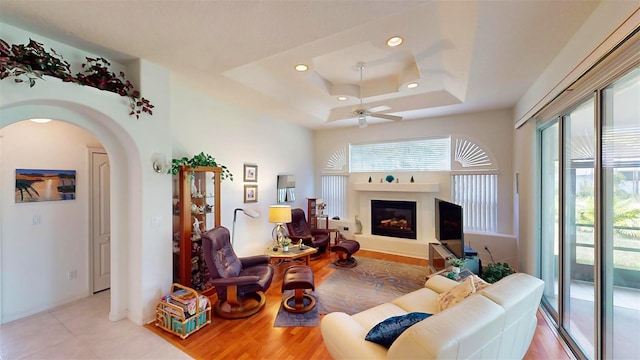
449, 226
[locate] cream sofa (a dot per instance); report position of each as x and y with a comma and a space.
497, 322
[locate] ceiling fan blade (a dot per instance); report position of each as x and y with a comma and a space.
340, 114
379, 108
385, 116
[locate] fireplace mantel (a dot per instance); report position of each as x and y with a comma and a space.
396, 187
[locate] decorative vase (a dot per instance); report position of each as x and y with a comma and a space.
455, 269
285, 248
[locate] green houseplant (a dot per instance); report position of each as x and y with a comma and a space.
459, 263
496, 271
201, 159
285, 242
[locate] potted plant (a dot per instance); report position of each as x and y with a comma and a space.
285, 242
456, 264
496, 271
201, 159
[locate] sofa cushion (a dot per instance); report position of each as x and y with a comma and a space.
421, 300
456, 294
372, 316
386, 332
227, 262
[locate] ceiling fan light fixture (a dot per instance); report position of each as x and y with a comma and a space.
40, 121
394, 41
362, 121
301, 67
342, 98
412, 85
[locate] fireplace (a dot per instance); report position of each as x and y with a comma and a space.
393, 218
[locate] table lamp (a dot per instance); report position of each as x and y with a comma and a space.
279, 215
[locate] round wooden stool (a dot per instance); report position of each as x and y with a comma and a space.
298, 278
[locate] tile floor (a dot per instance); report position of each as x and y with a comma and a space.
82, 330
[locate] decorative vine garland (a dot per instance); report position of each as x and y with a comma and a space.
202, 159
30, 62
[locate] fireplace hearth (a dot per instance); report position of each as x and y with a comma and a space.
394, 218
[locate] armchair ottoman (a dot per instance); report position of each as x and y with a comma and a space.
345, 249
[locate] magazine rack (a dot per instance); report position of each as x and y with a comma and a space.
173, 318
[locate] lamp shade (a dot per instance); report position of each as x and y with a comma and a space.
280, 214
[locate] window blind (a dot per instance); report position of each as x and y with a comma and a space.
432, 154
334, 194
478, 196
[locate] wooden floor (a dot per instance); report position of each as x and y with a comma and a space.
256, 338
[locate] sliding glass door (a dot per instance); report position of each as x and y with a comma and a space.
549, 216
621, 217
578, 224
590, 220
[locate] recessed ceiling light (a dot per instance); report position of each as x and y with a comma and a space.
40, 121
302, 67
342, 98
412, 85
394, 41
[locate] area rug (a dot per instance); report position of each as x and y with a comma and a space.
286, 318
370, 283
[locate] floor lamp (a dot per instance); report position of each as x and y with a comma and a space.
279, 215
250, 213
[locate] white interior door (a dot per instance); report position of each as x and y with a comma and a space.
100, 221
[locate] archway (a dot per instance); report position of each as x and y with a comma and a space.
123, 157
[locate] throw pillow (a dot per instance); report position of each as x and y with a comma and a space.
478, 283
456, 294
387, 331
227, 262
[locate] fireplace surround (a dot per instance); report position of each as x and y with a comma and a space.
394, 218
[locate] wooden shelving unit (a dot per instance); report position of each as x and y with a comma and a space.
312, 207
196, 206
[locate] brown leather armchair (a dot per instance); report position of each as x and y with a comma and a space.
239, 282
299, 230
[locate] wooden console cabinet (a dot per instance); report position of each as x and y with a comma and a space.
439, 257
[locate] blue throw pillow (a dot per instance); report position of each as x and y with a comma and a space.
386, 332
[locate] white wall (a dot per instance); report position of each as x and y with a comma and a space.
492, 130
608, 24
42, 254
235, 136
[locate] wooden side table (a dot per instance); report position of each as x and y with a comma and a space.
278, 257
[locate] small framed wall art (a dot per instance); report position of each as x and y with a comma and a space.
34, 185
250, 173
250, 193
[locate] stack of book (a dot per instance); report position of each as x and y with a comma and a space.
187, 301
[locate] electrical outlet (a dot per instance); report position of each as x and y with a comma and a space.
345, 228
156, 221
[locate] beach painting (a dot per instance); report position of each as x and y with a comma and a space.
45, 185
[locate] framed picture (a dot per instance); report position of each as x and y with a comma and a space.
250, 173
34, 185
250, 193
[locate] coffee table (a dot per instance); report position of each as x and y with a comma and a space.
280, 256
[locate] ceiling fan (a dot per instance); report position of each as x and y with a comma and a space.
361, 112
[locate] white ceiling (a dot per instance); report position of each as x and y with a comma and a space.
465, 55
